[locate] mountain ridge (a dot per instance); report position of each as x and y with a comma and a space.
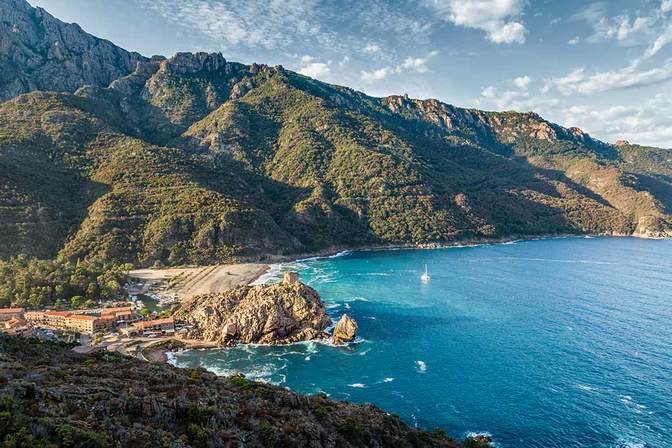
195, 159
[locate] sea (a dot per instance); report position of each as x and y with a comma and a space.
561, 342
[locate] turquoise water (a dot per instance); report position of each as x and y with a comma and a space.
551, 343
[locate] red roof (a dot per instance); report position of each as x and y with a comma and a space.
11, 310
57, 313
151, 323
126, 309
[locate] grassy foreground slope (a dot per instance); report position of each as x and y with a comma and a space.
50, 396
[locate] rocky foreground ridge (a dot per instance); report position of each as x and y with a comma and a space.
279, 313
51, 396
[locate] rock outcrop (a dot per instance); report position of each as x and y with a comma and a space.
268, 314
345, 330
39, 52
51, 396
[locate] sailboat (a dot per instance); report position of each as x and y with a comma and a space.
425, 276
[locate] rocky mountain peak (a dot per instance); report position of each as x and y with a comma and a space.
192, 63
39, 52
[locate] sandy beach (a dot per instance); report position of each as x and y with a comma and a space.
187, 282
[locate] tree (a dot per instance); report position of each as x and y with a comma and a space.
77, 301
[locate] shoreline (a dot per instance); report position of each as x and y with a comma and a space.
475, 242
273, 267
334, 250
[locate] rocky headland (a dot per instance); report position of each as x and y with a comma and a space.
279, 313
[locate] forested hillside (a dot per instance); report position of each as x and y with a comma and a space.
194, 159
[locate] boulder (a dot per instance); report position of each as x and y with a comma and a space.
345, 330
267, 314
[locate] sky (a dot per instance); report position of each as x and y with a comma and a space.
605, 67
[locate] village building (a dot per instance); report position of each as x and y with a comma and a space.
11, 313
119, 314
158, 326
13, 324
68, 322
85, 324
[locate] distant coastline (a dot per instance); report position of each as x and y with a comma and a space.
272, 262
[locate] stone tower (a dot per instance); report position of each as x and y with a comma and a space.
291, 278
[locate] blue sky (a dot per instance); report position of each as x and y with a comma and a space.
603, 66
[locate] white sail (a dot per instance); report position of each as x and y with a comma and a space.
425, 276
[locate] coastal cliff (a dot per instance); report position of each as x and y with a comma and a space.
268, 314
51, 396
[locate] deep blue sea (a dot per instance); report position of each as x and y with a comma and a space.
550, 343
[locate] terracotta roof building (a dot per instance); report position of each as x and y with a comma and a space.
158, 325
11, 313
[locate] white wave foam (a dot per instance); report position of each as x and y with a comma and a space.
623, 443
421, 366
357, 385
586, 387
171, 359
355, 299
388, 380
272, 273
632, 404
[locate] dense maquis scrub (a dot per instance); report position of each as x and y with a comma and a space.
50, 396
196, 159
33, 283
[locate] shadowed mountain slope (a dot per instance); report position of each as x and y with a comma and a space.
195, 159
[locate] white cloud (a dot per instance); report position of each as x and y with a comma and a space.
498, 18
666, 6
371, 48
574, 40
660, 42
622, 28
315, 69
410, 64
647, 123
522, 82
376, 75
344, 61
489, 92
270, 25
578, 81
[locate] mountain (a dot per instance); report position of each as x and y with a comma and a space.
196, 159
50, 396
39, 52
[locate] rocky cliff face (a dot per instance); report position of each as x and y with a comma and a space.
345, 330
267, 314
39, 52
50, 396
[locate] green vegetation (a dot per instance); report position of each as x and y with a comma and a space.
33, 283
241, 162
105, 400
